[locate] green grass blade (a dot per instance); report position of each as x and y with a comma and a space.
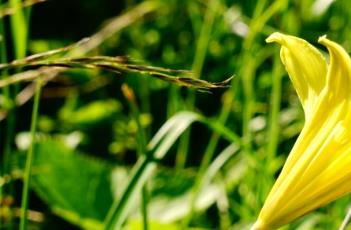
19, 29
199, 59
141, 148
158, 146
29, 159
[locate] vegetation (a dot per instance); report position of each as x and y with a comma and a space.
169, 115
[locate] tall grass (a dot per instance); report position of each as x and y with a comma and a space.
197, 66
29, 158
19, 29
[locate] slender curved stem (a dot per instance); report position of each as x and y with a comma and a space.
346, 220
29, 160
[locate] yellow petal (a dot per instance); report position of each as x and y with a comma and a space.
306, 66
317, 170
339, 73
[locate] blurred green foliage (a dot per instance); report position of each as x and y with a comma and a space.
76, 178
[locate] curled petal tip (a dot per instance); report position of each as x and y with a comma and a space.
275, 37
329, 44
322, 39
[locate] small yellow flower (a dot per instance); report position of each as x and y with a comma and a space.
318, 169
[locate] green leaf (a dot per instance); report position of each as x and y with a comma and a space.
75, 186
90, 114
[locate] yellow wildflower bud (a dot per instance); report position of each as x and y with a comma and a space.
318, 169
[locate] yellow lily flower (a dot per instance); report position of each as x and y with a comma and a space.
318, 169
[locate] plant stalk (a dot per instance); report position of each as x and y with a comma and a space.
29, 158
